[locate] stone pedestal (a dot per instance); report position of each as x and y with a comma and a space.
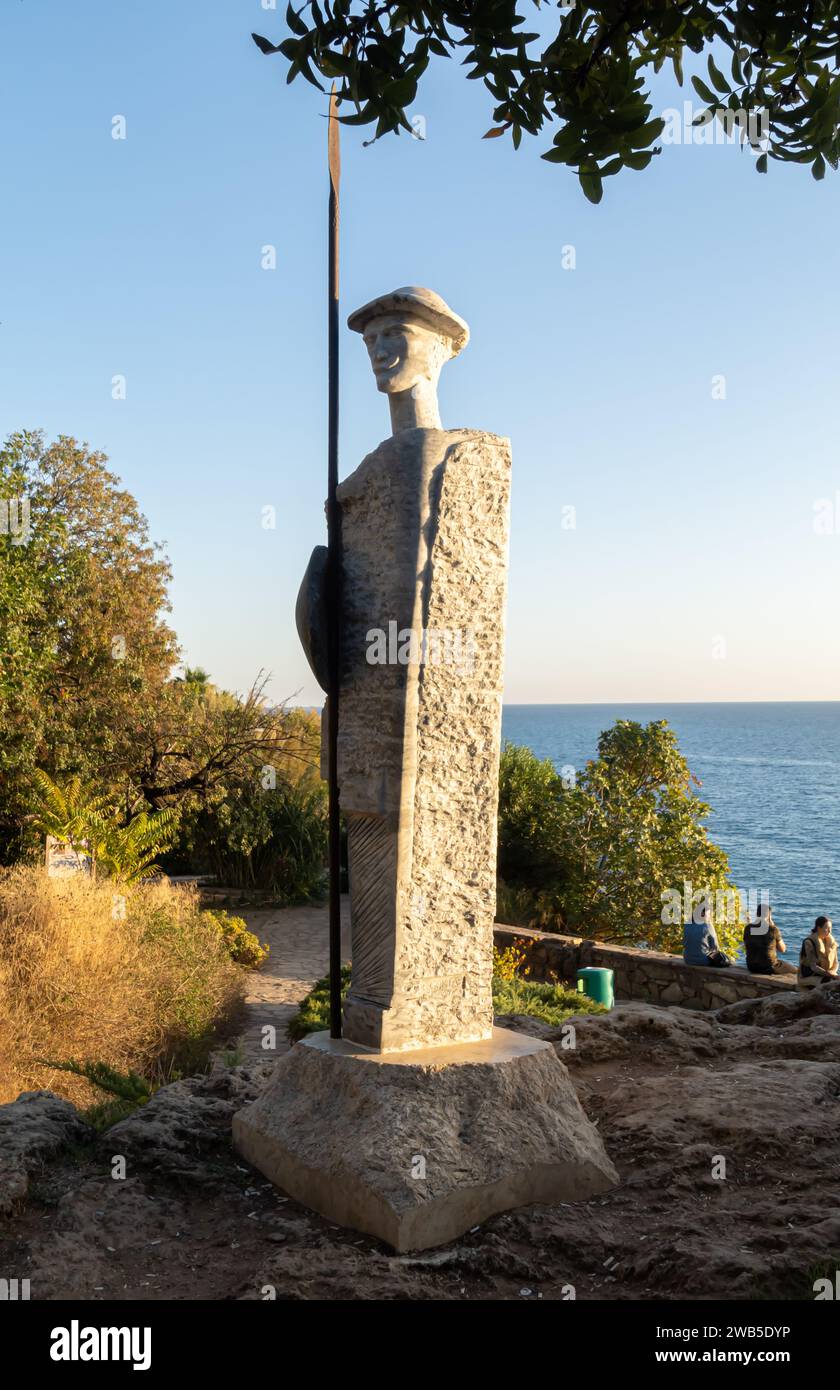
425, 544
417, 1147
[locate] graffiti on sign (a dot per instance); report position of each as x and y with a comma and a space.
64, 860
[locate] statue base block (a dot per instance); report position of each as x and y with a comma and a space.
417, 1147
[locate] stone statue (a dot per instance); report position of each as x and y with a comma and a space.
424, 536
420, 1073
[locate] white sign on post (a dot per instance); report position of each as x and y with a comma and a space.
64, 860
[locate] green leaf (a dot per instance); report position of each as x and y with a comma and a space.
647, 134
296, 24
309, 74
335, 64
265, 45
719, 81
818, 167
639, 159
705, 92
591, 184
568, 142
400, 93
367, 114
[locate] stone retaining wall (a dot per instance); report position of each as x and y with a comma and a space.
652, 976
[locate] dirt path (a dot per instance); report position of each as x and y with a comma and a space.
299, 955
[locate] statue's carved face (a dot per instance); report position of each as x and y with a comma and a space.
404, 352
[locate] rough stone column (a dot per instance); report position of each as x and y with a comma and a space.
425, 539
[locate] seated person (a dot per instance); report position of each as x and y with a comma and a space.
818, 957
762, 941
700, 943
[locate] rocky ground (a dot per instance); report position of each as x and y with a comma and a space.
672, 1091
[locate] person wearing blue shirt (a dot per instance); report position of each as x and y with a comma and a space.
700, 943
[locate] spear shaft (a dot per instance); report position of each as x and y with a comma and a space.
333, 575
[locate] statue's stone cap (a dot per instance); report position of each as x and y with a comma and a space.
423, 304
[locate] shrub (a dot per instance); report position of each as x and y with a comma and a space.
86, 820
314, 1013
512, 994
514, 904
508, 964
541, 910
272, 840
242, 945
150, 991
552, 1003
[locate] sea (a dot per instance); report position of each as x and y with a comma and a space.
770, 772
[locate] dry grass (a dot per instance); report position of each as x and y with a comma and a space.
150, 992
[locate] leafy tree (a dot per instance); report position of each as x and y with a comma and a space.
531, 816
86, 661
197, 740
262, 823
590, 75
84, 645
629, 832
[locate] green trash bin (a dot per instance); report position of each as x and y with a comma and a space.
596, 982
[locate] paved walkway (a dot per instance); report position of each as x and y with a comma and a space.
299, 941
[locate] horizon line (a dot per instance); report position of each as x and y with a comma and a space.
584, 704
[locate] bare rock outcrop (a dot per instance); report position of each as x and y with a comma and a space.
187, 1123
784, 1008
750, 1105
32, 1129
645, 1032
800, 1026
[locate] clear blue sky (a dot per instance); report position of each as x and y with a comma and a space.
695, 516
